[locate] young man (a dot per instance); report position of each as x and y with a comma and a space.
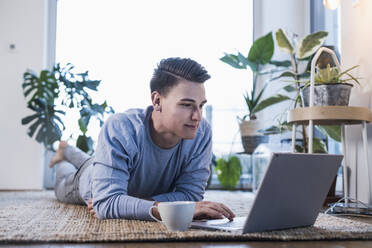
146, 156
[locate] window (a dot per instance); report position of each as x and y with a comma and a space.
120, 42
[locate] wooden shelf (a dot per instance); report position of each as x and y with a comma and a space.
329, 115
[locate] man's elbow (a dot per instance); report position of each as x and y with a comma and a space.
104, 208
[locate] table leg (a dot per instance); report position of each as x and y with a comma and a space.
343, 140
294, 126
365, 147
311, 132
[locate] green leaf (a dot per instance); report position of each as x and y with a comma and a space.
85, 144
284, 63
232, 60
284, 74
245, 62
228, 172
92, 84
303, 75
33, 127
83, 125
270, 101
319, 146
262, 50
332, 131
248, 101
43, 87
289, 88
310, 44
283, 42
257, 100
28, 119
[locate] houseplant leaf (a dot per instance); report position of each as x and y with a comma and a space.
319, 146
332, 131
284, 63
92, 84
85, 143
283, 41
228, 172
245, 62
262, 50
310, 44
43, 87
284, 74
232, 60
289, 88
270, 101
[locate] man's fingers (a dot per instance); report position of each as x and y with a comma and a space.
206, 211
217, 207
231, 214
214, 210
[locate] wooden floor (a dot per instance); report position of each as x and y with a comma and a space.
263, 244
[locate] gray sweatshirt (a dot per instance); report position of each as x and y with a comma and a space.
129, 168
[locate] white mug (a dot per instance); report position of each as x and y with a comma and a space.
176, 216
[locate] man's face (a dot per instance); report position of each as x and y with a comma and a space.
182, 109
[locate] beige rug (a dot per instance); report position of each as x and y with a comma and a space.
39, 217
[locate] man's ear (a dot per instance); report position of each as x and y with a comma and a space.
156, 100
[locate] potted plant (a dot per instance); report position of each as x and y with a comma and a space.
50, 94
228, 171
331, 87
301, 52
259, 56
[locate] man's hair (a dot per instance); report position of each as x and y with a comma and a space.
171, 70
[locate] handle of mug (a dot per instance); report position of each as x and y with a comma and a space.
152, 216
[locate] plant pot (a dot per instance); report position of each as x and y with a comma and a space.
49, 174
251, 138
329, 94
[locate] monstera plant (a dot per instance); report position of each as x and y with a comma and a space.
53, 92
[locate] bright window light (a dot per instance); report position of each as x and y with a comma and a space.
120, 42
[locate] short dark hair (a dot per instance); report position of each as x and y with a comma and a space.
171, 70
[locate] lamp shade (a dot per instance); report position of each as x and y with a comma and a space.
331, 4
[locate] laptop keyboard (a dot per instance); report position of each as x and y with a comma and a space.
238, 222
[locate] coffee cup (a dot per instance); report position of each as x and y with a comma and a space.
176, 216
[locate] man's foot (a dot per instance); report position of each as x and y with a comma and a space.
59, 155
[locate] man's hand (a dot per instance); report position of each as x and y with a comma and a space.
155, 211
212, 210
90, 207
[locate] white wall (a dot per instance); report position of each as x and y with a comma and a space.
290, 15
356, 48
21, 23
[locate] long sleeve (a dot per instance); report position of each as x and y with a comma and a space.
113, 159
190, 185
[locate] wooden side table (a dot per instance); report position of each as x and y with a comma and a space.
333, 115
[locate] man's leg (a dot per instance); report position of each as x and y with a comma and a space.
69, 153
69, 163
64, 188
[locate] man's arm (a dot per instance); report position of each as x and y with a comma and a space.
110, 199
113, 159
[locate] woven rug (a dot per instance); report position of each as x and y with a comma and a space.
39, 217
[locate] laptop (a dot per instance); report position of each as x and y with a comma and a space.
290, 194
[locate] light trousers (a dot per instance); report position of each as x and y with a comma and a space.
68, 173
